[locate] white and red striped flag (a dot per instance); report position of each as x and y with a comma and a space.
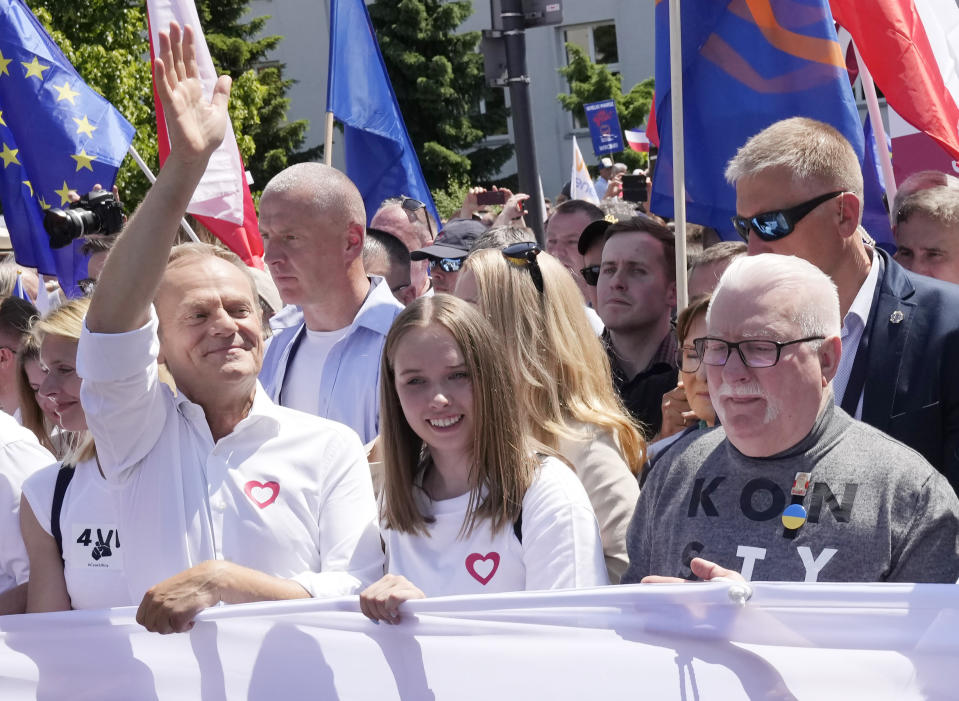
222, 201
907, 46
637, 140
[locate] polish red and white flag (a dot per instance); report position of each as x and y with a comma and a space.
909, 50
222, 201
637, 140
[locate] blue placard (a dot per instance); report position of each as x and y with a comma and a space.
604, 127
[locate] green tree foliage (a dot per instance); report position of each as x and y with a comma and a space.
590, 82
106, 40
439, 81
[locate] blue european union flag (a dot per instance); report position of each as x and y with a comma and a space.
56, 135
746, 65
380, 158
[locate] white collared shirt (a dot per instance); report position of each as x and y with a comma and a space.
853, 325
285, 493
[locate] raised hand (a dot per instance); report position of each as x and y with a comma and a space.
196, 125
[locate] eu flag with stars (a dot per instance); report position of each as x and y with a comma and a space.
380, 158
56, 135
746, 64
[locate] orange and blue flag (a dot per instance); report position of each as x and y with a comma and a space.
746, 64
56, 135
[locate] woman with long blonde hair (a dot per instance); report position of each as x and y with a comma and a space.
563, 380
67, 516
470, 503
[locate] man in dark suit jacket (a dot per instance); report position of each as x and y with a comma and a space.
799, 192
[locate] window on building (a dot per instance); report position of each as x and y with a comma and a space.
495, 101
598, 41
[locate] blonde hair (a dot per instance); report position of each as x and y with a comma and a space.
562, 370
66, 321
807, 149
31, 415
503, 459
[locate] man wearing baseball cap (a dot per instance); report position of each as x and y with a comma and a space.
448, 252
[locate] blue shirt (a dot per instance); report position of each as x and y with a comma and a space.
349, 386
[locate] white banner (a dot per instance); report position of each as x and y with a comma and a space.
581, 185
789, 641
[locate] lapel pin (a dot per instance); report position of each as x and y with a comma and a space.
896, 317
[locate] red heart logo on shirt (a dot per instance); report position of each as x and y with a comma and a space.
262, 493
482, 567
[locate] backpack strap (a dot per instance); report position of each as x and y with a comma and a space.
63, 481
518, 527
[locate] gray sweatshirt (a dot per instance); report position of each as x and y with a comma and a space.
876, 511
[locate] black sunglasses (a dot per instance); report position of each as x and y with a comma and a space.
523, 255
447, 265
412, 206
772, 226
590, 274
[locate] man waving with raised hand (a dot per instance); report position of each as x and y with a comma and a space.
222, 495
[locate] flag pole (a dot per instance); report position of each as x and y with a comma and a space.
152, 178
872, 103
328, 143
679, 150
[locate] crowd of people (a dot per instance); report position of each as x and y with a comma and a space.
418, 408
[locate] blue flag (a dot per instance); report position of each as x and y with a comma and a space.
875, 213
56, 135
18, 289
740, 74
379, 155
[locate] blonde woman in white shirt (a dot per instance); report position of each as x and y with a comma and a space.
469, 505
75, 546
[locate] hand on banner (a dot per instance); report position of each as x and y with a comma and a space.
677, 414
196, 126
381, 601
704, 569
171, 605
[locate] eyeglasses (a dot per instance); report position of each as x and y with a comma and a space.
688, 358
755, 353
590, 274
523, 255
411, 207
447, 265
772, 226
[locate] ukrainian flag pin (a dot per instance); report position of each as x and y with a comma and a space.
794, 516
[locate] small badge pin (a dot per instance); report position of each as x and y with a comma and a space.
896, 317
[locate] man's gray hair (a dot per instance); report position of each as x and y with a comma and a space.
920, 182
805, 148
724, 250
812, 293
327, 189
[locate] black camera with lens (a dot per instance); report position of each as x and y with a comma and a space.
96, 213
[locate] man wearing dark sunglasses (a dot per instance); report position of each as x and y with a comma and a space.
446, 255
799, 191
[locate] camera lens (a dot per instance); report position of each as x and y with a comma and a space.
63, 226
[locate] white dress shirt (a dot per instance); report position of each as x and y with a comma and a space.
285, 493
853, 325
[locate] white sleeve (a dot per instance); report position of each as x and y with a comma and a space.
561, 542
17, 460
122, 396
350, 553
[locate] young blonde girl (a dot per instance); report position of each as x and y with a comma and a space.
468, 505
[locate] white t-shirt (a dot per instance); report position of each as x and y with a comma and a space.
285, 493
301, 384
20, 456
92, 547
561, 545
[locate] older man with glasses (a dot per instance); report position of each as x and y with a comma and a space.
799, 191
789, 487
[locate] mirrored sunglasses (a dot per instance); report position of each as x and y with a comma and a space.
772, 226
